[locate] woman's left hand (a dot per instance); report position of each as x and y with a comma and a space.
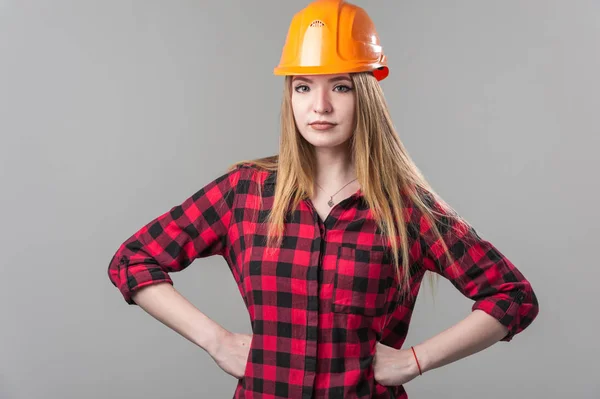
394, 366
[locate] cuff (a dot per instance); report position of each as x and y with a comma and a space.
505, 309
132, 277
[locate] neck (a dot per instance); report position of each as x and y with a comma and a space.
334, 167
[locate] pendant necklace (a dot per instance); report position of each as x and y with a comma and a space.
330, 202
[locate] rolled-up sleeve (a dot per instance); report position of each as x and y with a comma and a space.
478, 270
196, 228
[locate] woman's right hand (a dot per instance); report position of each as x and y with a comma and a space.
231, 353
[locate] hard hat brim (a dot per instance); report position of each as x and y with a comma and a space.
380, 71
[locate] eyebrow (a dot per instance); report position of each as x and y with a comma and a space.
332, 80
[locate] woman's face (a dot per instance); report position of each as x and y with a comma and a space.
323, 108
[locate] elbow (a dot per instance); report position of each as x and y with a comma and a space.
515, 308
523, 312
114, 268
529, 308
117, 275
129, 274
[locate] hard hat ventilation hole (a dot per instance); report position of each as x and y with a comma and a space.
317, 24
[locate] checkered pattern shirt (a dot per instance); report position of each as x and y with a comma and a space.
320, 302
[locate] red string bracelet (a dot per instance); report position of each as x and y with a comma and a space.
417, 360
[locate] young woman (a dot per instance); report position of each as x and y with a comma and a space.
328, 241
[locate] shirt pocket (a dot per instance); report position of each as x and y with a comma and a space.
362, 281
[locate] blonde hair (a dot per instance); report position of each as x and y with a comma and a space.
383, 168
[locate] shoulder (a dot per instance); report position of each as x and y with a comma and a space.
246, 173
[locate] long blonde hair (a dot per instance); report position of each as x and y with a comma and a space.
383, 168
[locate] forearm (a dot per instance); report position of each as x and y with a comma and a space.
471, 335
167, 305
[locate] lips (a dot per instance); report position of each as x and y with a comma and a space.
322, 125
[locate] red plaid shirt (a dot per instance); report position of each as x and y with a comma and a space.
318, 304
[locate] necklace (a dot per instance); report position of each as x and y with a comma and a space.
330, 202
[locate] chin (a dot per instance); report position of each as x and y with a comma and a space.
324, 141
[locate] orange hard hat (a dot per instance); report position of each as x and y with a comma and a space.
329, 37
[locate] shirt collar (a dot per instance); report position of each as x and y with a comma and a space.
271, 179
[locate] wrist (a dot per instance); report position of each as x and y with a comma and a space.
212, 338
405, 361
420, 359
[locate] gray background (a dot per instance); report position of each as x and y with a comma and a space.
113, 111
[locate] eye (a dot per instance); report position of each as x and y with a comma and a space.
344, 88
300, 87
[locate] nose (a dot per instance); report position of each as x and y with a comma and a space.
322, 103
